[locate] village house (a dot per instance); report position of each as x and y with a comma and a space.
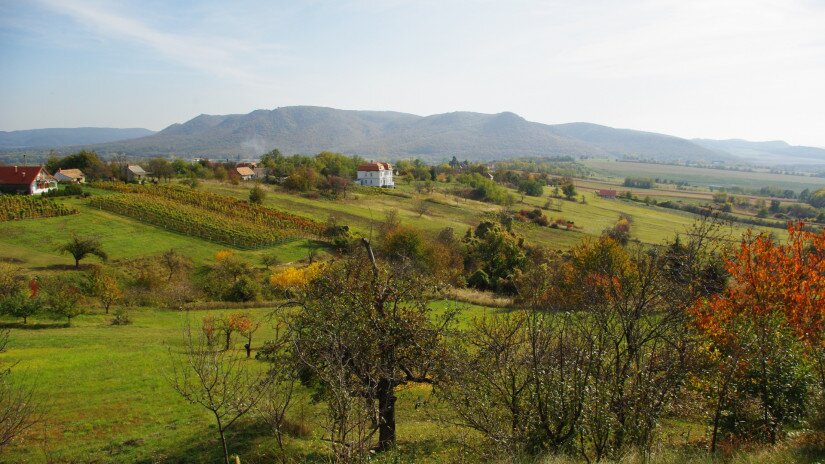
260, 173
606, 193
70, 176
375, 175
135, 173
26, 180
245, 172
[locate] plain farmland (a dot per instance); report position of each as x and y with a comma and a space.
704, 176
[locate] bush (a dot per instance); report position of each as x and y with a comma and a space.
479, 279
121, 317
245, 289
257, 195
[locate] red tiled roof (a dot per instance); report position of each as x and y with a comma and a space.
607, 193
19, 175
375, 167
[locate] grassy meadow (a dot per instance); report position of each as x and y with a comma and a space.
103, 387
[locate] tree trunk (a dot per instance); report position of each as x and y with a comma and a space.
386, 415
77, 263
223, 440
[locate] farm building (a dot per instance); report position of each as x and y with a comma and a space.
375, 175
26, 180
135, 173
70, 176
605, 193
245, 172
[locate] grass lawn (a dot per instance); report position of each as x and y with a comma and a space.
33, 241
106, 397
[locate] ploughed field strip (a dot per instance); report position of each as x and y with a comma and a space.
13, 207
205, 215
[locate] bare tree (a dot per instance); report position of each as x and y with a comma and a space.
18, 408
220, 381
277, 397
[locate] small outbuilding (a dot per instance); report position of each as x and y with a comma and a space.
606, 193
70, 176
135, 173
26, 180
245, 172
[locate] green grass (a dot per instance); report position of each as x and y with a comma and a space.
106, 398
34, 240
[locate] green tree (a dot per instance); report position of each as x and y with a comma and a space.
63, 297
81, 247
161, 168
21, 304
363, 330
568, 188
257, 195
497, 252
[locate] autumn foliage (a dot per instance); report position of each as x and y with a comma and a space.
766, 334
768, 278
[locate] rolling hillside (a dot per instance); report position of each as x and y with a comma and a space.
477, 136
766, 152
53, 138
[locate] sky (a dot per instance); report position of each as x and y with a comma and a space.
752, 69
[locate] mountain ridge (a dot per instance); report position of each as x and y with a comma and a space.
60, 136
394, 135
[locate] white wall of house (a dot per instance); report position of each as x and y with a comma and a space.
42, 185
381, 178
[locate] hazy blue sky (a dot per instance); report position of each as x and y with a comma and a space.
693, 68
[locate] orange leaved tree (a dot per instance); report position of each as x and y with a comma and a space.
767, 329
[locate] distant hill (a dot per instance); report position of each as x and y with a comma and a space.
54, 138
765, 152
392, 135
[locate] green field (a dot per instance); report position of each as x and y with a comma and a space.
33, 241
704, 176
103, 387
106, 398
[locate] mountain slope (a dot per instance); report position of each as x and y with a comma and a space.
766, 152
53, 138
306, 129
643, 144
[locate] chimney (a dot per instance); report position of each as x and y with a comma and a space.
15, 168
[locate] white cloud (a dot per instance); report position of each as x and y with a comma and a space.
214, 54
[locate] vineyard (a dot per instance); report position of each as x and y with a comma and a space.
13, 207
205, 215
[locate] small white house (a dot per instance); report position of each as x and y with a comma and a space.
375, 175
26, 180
70, 176
245, 172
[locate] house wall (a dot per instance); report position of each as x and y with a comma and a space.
376, 178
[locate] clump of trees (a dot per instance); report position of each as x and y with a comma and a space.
484, 189
639, 182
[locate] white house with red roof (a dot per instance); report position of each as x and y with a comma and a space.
26, 180
375, 175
